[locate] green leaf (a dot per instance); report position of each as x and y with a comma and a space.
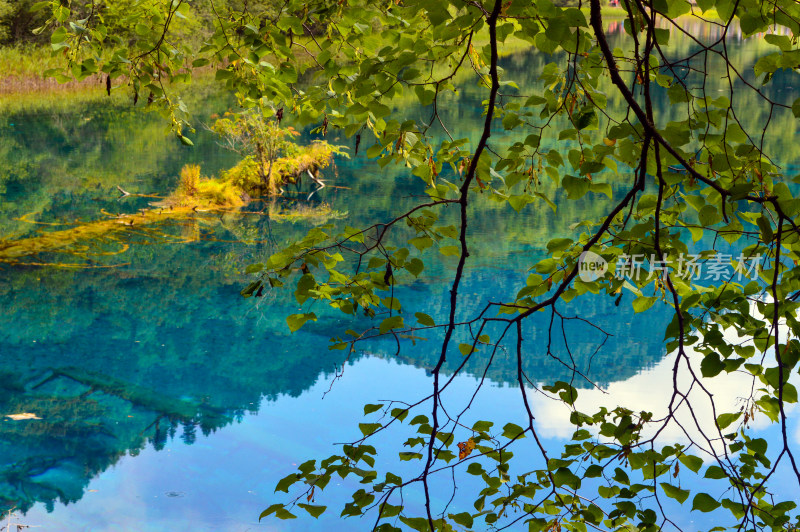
376, 262
466, 349
518, 201
564, 477
482, 426
677, 94
559, 244
284, 514
692, 462
767, 64
450, 251
587, 120
420, 418
675, 492
512, 431
414, 266
602, 188
424, 319
712, 365
390, 510
38, 6
315, 511
557, 30
391, 303
662, 36
765, 228
752, 23
370, 408
368, 428
642, 303
393, 322
286, 482
464, 519
697, 233
254, 268
608, 492
709, 215
59, 36
295, 321
547, 200
399, 413
576, 187
421, 242
593, 471
474, 468
715, 472
736, 508
249, 289
704, 502
142, 29
271, 510
416, 523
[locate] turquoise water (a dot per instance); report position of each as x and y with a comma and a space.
167, 401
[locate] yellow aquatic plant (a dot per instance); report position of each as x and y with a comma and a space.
235, 187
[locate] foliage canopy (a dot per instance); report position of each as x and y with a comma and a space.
673, 132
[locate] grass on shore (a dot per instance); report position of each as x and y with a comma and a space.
27, 61
22, 68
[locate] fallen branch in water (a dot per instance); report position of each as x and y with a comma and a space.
124, 194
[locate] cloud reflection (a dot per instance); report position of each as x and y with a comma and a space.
650, 390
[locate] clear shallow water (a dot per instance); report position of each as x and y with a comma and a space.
167, 401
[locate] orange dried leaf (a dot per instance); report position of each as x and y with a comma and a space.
465, 448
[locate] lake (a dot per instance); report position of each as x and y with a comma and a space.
164, 400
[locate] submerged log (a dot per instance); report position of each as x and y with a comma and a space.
74, 239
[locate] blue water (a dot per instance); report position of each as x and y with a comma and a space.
169, 402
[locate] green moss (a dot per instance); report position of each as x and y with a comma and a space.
249, 175
244, 175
